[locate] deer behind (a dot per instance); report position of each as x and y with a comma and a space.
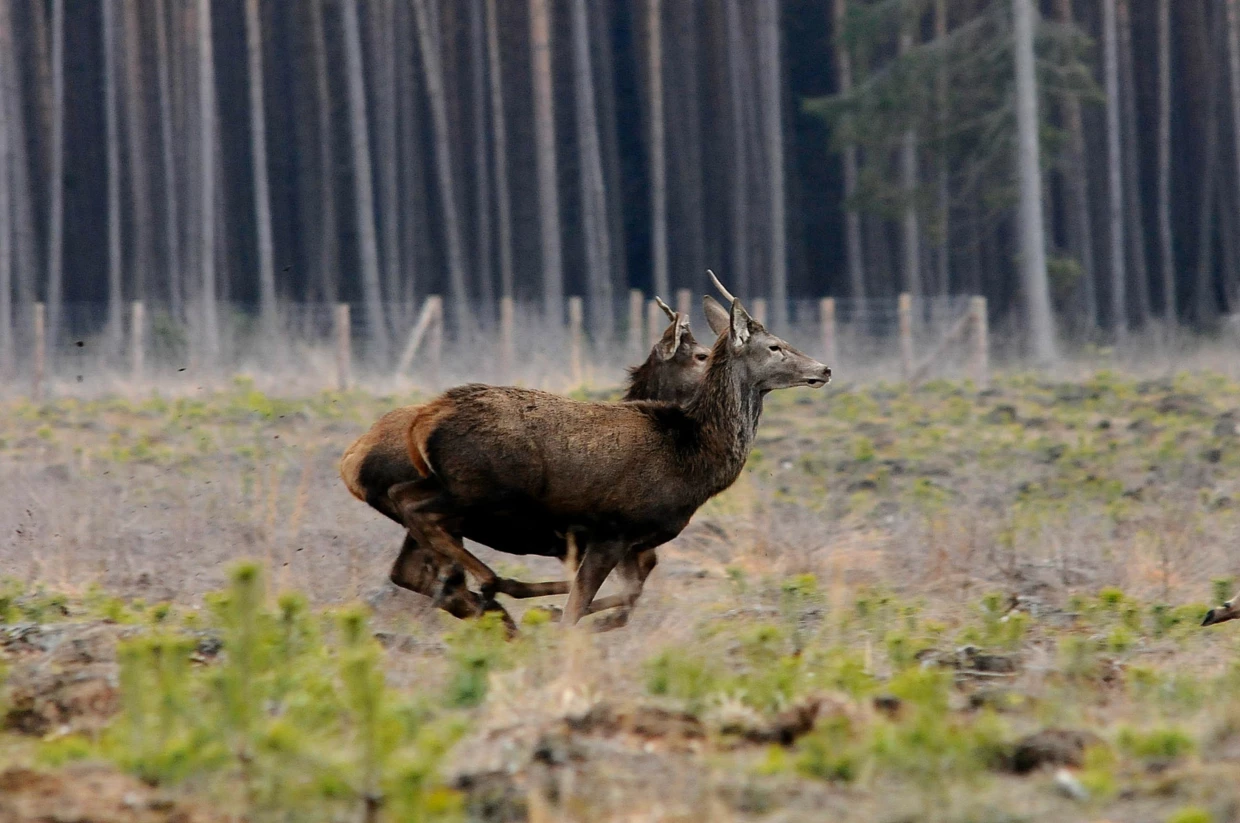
626, 476
380, 459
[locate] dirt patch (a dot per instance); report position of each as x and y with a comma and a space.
89, 794
63, 676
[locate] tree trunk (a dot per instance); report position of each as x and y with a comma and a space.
1076, 182
908, 183
172, 222
258, 153
593, 185
56, 175
207, 205
381, 15
484, 243
1115, 188
685, 146
329, 239
1206, 304
499, 141
658, 148
23, 237
1233, 62
548, 185
432, 64
768, 34
740, 148
139, 164
613, 176
111, 116
43, 87
1132, 166
360, 136
944, 183
1165, 236
1041, 324
7, 355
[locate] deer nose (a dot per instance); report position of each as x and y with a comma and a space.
826, 372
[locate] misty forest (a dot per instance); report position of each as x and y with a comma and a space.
1076, 163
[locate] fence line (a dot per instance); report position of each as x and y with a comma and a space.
318, 346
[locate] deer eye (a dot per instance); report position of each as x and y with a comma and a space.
774, 348
701, 358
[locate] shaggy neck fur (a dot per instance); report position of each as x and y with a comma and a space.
726, 411
661, 380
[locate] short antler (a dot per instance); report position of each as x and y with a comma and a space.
671, 315
726, 294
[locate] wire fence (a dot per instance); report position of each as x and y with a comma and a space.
91, 349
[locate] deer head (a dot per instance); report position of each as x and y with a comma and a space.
675, 367
766, 362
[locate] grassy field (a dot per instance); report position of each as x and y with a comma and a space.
940, 604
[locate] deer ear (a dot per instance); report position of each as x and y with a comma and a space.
716, 315
738, 331
670, 341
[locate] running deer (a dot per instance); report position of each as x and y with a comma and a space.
623, 477
379, 460
1221, 614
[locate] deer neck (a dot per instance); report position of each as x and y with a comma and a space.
726, 411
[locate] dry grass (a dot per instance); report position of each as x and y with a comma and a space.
870, 523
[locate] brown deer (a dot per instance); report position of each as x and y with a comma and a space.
1221, 614
623, 477
380, 459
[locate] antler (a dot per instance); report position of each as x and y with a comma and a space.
726, 294
671, 315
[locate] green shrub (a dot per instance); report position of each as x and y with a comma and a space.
294, 718
477, 648
1191, 814
1156, 744
684, 675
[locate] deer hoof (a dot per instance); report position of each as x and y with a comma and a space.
616, 620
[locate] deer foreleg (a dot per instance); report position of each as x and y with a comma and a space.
417, 501
599, 560
634, 568
423, 571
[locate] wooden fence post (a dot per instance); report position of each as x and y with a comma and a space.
344, 347
905, 308
759, 310
654, 323
435, 342
981, 342
826, 317
636, 333
137, 340
575, 318
507, 338
684, 301
40, 350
